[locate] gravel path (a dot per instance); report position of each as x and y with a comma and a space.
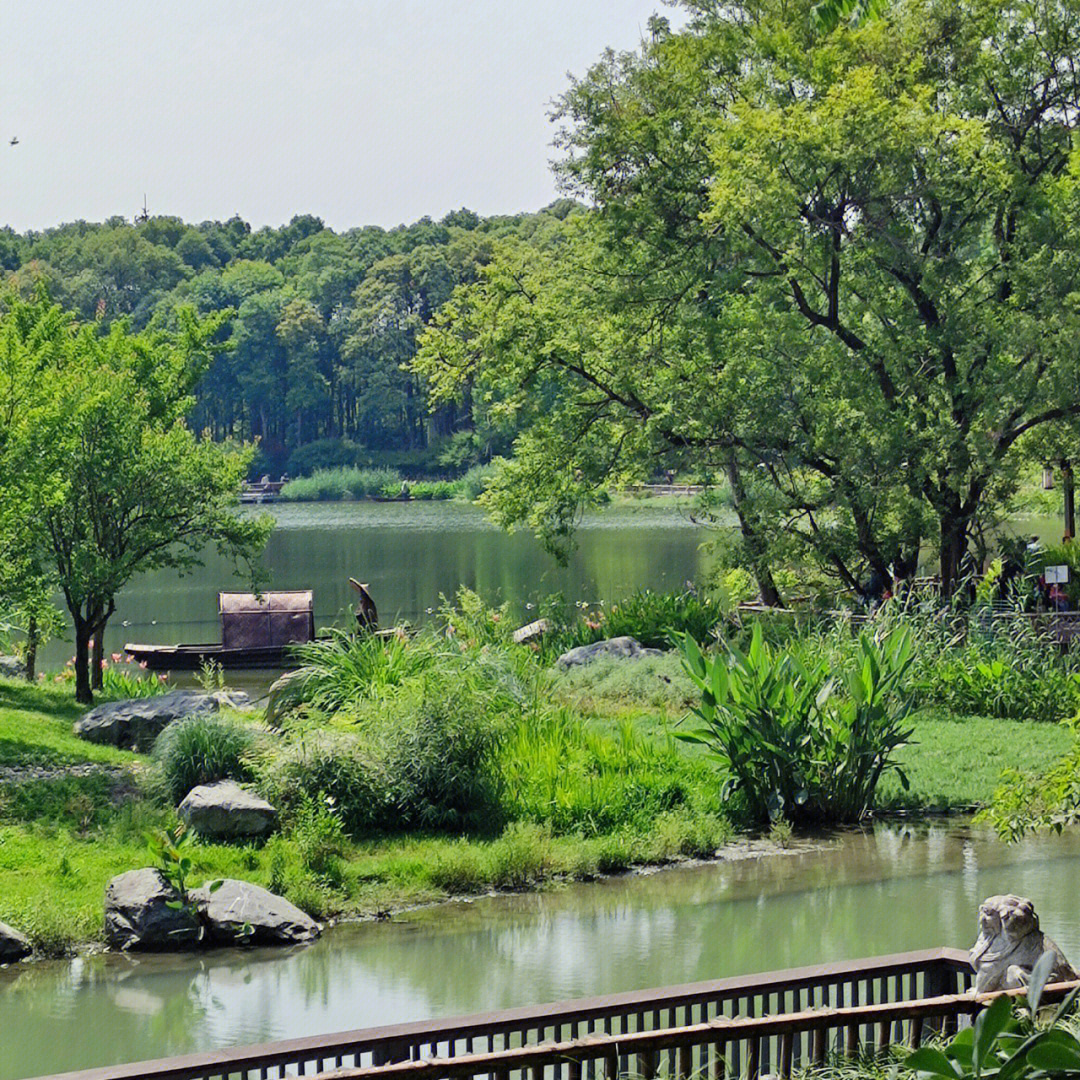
19, 774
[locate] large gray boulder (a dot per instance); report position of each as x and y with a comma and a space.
135, 724
226, 810
626, 648
13, 945
138, 915
11, 667
238, 910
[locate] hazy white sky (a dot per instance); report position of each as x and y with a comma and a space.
360, 111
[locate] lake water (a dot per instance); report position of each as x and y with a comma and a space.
410, 553
890, 889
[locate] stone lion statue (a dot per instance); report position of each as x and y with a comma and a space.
1009, 945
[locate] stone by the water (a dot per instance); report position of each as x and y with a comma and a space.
13, 945
533, 631
138, 915
226, 810
1010, 944
239, 910
626, 648
136, 723
282, 696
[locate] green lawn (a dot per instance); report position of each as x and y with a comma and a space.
957, 761
36, 728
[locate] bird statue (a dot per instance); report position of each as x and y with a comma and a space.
367, 616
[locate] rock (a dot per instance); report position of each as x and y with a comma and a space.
137, 723
138, 916
282, 696
626, 648
233, 699
531, 631
1009, 945
11, 667
13, 945
226, 810
272, 919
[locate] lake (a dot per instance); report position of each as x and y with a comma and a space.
891, 888
410, 553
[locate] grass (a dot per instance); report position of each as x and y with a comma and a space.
956, 762
36, 728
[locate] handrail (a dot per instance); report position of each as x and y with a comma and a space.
926, 973
721, 1030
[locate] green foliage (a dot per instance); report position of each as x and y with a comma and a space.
560, 772
417, 761
795, 739
650, 617
201, 750
342, 483
343, 669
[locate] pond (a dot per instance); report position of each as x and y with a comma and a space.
893, 888
410, 553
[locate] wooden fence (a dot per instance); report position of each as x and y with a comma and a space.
744, 1026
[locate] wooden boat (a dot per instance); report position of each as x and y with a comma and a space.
256, 632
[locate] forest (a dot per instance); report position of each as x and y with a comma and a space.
320, 323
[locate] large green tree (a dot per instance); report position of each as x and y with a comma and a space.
100, 478
840, 267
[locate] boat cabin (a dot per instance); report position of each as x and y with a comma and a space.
273, 619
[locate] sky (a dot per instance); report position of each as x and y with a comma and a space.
359, 111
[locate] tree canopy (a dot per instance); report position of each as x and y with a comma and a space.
838, 267
100, 477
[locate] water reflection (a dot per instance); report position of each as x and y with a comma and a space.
895, 888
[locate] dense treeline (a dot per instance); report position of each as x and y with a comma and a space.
322, 322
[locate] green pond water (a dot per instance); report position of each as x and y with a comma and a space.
889, 889
410, 553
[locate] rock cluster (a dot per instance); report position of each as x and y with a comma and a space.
224, 810
141, 912
135, 724
624, 648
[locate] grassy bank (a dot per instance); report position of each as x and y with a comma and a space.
62, 838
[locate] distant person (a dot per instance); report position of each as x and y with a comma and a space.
1034, 546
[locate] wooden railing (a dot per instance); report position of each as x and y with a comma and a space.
748, 1025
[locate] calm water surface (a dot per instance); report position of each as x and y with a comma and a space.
891, 889
410, 553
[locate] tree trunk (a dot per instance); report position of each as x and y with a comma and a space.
1069, 495
953, 546
97, 657
33, 639
83, 632
752, 538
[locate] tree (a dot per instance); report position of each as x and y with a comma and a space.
99, 469
840, 267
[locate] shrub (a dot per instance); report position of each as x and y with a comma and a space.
650, 617
324, 454
796, 740
344, 669
201, 750
343, 483
475, 482
419, 761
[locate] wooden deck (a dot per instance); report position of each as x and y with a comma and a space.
744, 1026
